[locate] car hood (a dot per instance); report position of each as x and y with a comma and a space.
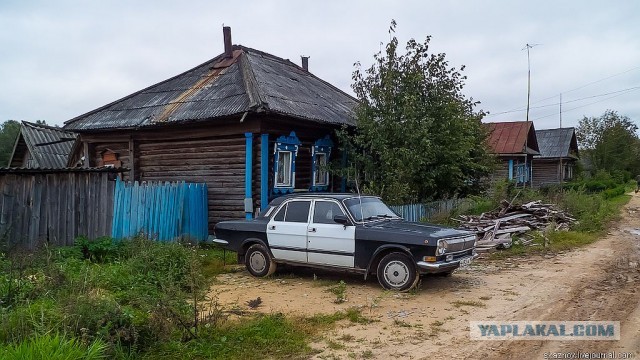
422, 230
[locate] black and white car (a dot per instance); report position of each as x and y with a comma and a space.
345, 232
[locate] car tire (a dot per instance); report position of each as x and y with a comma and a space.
258, 261
396, 271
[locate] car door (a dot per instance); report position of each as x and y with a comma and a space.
328, 242
287, 231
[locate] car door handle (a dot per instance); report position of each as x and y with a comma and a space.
272, 227
312, 229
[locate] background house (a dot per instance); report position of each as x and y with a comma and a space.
41, 147
248, 124
515, 145
558, 156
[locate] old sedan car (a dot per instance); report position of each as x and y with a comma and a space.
345, 232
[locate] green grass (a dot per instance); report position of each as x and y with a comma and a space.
132, 297
53, 347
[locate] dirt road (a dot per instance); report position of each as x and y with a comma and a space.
597, 282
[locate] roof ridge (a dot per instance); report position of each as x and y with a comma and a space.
45, 126
289, 62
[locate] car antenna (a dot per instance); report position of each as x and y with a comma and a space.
360, 199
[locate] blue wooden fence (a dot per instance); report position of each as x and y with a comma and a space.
160, 211
426, 211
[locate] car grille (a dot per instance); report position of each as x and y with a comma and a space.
459, 244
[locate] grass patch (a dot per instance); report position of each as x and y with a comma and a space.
135, 299
473, 303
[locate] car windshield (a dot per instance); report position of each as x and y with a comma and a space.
368, 209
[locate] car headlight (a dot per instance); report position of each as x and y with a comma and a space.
442, 247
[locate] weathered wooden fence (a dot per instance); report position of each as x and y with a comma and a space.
161, 211
54, 206
426, 211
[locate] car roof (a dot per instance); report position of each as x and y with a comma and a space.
336, 196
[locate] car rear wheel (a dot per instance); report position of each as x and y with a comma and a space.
258, 261
396, 271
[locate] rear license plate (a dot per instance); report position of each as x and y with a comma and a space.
465, 262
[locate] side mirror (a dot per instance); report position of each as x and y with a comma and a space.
341, 219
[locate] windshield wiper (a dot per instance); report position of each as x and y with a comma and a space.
372, 217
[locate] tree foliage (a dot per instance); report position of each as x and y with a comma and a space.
418, 137
610, 142
8, 132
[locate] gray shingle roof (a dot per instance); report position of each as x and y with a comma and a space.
250, 81
557, 143
49, 146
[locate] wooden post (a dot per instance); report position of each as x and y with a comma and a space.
85, 151
132, 160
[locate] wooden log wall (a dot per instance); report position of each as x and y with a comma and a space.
546, 172
54, 207
121, 148
217, 161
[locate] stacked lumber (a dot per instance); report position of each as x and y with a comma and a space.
496, 229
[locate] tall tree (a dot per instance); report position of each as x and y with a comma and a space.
8, 132
418, 137
610, 142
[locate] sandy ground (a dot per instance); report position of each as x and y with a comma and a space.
597, 282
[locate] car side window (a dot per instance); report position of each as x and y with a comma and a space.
280, 215
324, 211
298, 211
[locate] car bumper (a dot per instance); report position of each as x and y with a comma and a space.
442, 266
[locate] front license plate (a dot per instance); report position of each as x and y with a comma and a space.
465, 262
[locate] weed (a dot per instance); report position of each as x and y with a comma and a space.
401, 323
436, 328
339, 291
347, 337
367, 354
354, 315
54, 347
460, 303
333, 345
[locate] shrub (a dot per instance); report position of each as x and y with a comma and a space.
99, 250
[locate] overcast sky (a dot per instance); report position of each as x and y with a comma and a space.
60, 59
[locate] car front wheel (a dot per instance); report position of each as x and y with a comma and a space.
396, 271
258, 261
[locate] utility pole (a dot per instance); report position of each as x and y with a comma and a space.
528, 173
561, 167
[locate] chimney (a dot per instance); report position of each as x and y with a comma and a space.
305, 62
228, 45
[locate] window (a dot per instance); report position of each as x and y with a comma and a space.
280, 215
283, 174
321, 176
368, 208
320, 154
298, 211
324, 211
568, 171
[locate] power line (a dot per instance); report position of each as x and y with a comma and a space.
567, 102
577, 88
591, 103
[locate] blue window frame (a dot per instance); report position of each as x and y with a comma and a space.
284, 165
320, 153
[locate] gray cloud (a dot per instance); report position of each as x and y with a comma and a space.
61, 59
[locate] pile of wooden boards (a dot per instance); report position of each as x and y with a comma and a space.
497, 228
